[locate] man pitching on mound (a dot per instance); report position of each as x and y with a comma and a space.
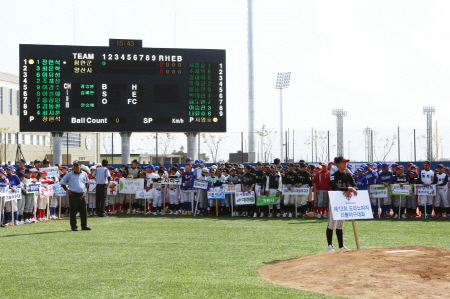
339, 181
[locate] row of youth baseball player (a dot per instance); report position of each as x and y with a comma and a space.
263, 179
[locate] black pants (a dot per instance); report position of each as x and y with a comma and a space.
77, 203
100, 198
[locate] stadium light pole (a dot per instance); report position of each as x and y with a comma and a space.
251, 102
283, 80
340, 113
366, 131
429, 111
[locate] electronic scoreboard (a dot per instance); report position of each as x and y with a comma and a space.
121, 88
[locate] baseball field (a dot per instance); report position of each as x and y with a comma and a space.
138, 256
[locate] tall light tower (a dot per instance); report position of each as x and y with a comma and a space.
366, 131
251, 102
429, 111
283, 80
340, 113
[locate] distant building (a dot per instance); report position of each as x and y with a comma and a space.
78, 146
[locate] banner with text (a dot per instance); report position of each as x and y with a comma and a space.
199, 184
33, 188
232, 189
263, 200
58, 190
130, 186
170, 181
296, 190
216, 193
378, 191
112, 188
92, 188
351, 207
45, 190
13, 195
426, 191
245, 198
52, 172
406, 190
143, 194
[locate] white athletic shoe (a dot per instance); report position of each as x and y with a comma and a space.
330, 248
396, 216
154, 213
27, 221
284, 215
343, 248
148, 213
404, 216
262, 214
318, 215
78, 214
325, 216
255, 215
176, 213
290, 215
133, 211
278, 215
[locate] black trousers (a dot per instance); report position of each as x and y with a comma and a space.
77, 203
100, 198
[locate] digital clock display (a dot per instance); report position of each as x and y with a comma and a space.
121, 88
125, 43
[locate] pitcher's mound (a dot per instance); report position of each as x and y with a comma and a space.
395, 272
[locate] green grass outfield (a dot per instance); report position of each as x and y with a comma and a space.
141, 256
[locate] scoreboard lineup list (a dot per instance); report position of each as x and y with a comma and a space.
121, 88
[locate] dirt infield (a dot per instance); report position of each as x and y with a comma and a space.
394, 272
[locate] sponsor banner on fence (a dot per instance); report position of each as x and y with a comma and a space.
203, 185
170, 181
406, 190
245, 198
112, 188
263, 200
216, 193
427, 191
232, 189
130, 186
378, 191
52, 172
58, 190
296, 190
92, 188
33, 188
143, 194
351, 207
46, 190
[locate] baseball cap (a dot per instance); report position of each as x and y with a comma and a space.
43, 172
291, 165
20, 174
76, 162
400, 167
174, 169
2, 170
371, 163
27, 170
46, 161
37, 161
64, 167
384, 165
302, 164
205, 170
10, 167
248, 167
349, 166
22, 161
276, 161
182, 168
409, 164
93, 167
189, 159
151, 166
440, 166
258, 163
340, 159
427, 163
135, 161
379, 166
241, 166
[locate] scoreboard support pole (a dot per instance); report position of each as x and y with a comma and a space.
192, 144
57, 147
126, 138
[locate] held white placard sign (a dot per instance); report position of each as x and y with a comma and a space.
295, 190
352, 207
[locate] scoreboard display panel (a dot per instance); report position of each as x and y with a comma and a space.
121, 88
